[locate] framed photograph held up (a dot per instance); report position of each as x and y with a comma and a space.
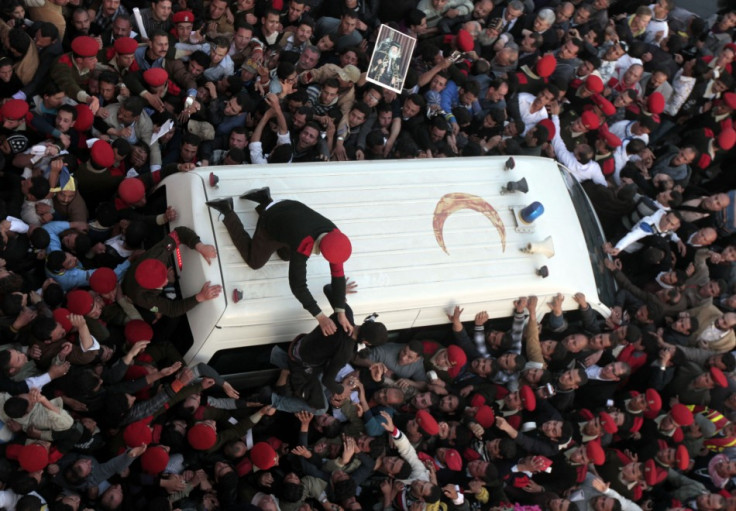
390, 59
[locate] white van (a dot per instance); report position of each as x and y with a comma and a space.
398, 214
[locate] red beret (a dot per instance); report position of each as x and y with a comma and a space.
61, 316
102, 154
609, 425
730, 46
33, 457
154, 460
85, 118
653, 475
138, 330
682, 457
79, 301
151, 274
730, 99
125, 45
681, 414
336, 247
528, 399
244, 466
590, 120
155, 77
427, 423
263, 456
484, 416
595, 453
636, 424
477, 400
183, 17
606, 106
594, 84
135, 371
727, 139
202, 437
137, 434
609, 138
654, 401
457, 358
544, 462
131, 190
464, 41
453, 460
85, 46
718, 377
103, 280
655, 103
14, 109
547, 123
546, 66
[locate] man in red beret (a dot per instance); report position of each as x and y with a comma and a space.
295, 232
121, 56
71, 71
144, 280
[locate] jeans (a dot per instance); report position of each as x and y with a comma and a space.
290, 404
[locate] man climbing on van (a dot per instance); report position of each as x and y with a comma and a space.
295, 232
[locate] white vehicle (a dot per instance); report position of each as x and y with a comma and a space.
427, 234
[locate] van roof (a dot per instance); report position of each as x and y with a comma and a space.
387, 208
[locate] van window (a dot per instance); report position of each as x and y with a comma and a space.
593, 233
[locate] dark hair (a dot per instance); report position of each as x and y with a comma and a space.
345, 489
4, 361
116, 407
50, 88
201, 58
491, 473
374, 333
377, 447
331, 82
42, 327
191, 139
404, 472
507, 449
19, 40
281, 153
417, 100
566, 433
290, 492
415, 17
729, 361
434, 495
53, 295
109, 77
416, 346
48, 29
39, 189
12, 304
136, 234
15, 407
29, 503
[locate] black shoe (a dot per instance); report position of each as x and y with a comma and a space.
223, 206
284, 253
259, 195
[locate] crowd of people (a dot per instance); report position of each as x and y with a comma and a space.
102, 99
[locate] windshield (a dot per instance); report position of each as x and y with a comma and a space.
594, 237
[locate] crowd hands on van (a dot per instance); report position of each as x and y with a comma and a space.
99, 411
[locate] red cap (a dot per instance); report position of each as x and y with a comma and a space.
594, 84
244, 466
103, 280
457, 358
33, 457
464, 41
61, 315
138, 433
477, 400
654, 401
85, 118
183, 17
427, 423
655, 103
79, 301
485, 417
154, 460
546, 66
125, 45
336, 247
202, 437
528, 399
135, 371
544, 462
14, 109
102, 154
590, 120
151, 274
595, 453
730, 46
155, 77
551, 130
263, 456
453, 460
730, 99
727, 139
682, 457
653, 475
85, 46
636, 424
681, 414
609, 425
131, 190
718, 377
609, 138
138, 330
606, 106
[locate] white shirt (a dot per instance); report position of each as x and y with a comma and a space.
527, 117
582, 171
